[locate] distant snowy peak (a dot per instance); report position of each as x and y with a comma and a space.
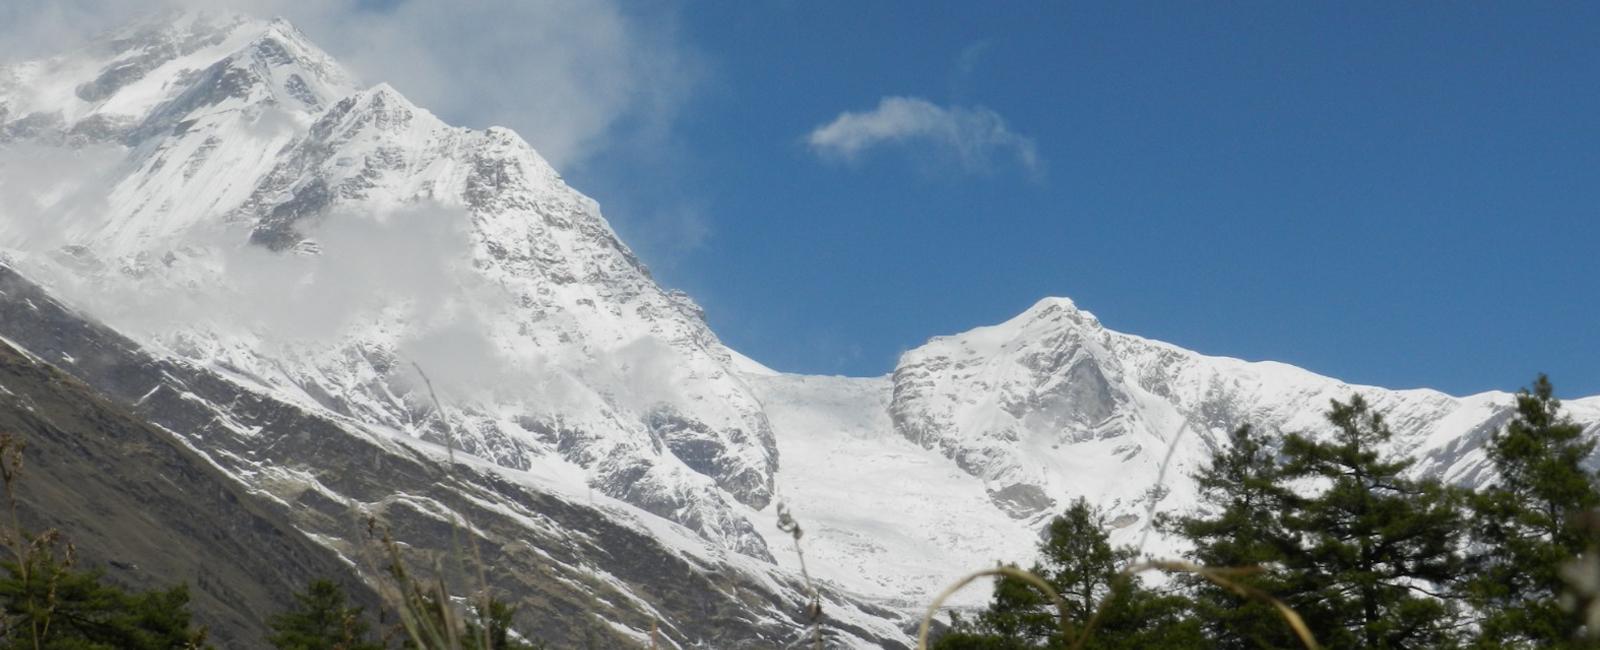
1051, 366
1007, 424
1041, 407
1035, 404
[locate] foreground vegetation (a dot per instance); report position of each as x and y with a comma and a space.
1331, 534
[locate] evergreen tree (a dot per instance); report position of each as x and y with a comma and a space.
1087, 571
980, 635
1077, 559
1082, 564
48, 604
1019, 613
1019, 617
1525, 524
488, 627
1135, 617
1374, 545
493, 622
1239, 525
321, 620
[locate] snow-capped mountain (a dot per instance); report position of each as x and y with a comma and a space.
288, 250
233, 137
1037, 405
962, 454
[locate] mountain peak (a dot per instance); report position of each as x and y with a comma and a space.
1054, 310
1053, 304
384, 98
155, 72
377, 113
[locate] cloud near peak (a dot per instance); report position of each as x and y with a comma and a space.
975, 136
572, 78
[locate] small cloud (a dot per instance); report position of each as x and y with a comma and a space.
976, 135
572, 78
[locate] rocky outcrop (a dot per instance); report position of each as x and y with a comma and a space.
149, 511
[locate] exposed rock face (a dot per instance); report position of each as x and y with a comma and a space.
150, 512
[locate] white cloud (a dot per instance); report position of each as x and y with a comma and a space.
571, 77
31, 28
567, 76
50, 192
976, 136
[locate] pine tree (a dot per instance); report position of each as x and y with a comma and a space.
1078, 560
1374, 546
1019, 614
1240, 525
49, 604
493, 622
46, 601
321, 620
488, 627
1525, 524
1086, 570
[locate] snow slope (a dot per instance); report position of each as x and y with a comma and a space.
883, 517
958, 459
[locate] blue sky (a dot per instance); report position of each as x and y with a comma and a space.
1389, 193
1401, 194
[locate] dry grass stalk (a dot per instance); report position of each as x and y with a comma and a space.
787, 524
1026, 576
1221, 578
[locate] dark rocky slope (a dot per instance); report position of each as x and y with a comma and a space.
150, 512
574, 570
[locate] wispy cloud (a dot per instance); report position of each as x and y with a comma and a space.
976, 137
573, 78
